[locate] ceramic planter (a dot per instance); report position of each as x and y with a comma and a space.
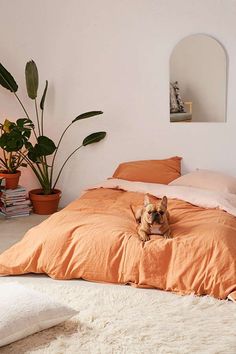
12, 179
44, 204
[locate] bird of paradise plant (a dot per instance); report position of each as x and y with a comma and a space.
27, 141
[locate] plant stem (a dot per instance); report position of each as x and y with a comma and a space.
16, 96
3, 163
10, 162
21, 105
5, 157
33, 168
35, 135
55, 153
25, 112
45, 171
37, 115
44, 177
39, 173
27, 115
42, 121
19, 160
59, 174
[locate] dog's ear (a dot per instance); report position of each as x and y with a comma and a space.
138, 214
164, 203
146, 200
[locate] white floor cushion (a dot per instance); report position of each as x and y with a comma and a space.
24, 311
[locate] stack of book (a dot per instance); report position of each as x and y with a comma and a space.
14, 202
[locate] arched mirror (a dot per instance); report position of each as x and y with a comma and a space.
198, 75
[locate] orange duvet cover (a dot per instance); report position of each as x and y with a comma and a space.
95, 238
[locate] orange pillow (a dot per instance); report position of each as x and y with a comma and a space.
150, 171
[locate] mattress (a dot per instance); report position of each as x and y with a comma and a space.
95, 238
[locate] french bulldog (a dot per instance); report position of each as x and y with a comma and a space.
153, 219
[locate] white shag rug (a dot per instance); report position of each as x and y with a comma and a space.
120, 319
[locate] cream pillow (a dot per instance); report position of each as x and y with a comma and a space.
206, 179
24, 311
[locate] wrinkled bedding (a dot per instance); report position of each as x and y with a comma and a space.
95, 238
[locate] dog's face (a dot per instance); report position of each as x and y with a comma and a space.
154, 213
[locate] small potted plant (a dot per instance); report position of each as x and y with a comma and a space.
11, 161
40, 151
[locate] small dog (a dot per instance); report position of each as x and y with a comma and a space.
153, 219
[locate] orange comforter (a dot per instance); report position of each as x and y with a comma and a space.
95, 238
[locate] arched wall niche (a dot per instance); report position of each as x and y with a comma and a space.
198, 80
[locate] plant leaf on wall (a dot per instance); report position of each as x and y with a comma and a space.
7, 80
87, 115
32, 79
94, 138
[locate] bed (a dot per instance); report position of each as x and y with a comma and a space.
95, 238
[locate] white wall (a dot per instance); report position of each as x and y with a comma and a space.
114, 55
198, 63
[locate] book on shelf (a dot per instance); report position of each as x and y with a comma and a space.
14, 202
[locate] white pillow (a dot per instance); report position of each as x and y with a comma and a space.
24, 311
205, 179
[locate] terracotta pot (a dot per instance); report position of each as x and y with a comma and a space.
44, 204
12, 179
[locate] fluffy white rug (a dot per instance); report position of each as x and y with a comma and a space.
118, 319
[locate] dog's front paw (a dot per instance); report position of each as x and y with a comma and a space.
167, 235
144, 237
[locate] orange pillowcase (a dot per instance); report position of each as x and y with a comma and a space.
150, 171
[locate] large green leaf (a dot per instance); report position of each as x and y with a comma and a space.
45, 146
26, 135
87, 115
33, 154
24, 126
7, 80
44, 95
24, 123
94, 138
32, 79
28, 145
12, 141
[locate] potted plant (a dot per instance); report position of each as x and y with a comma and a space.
10, 161
40, 150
